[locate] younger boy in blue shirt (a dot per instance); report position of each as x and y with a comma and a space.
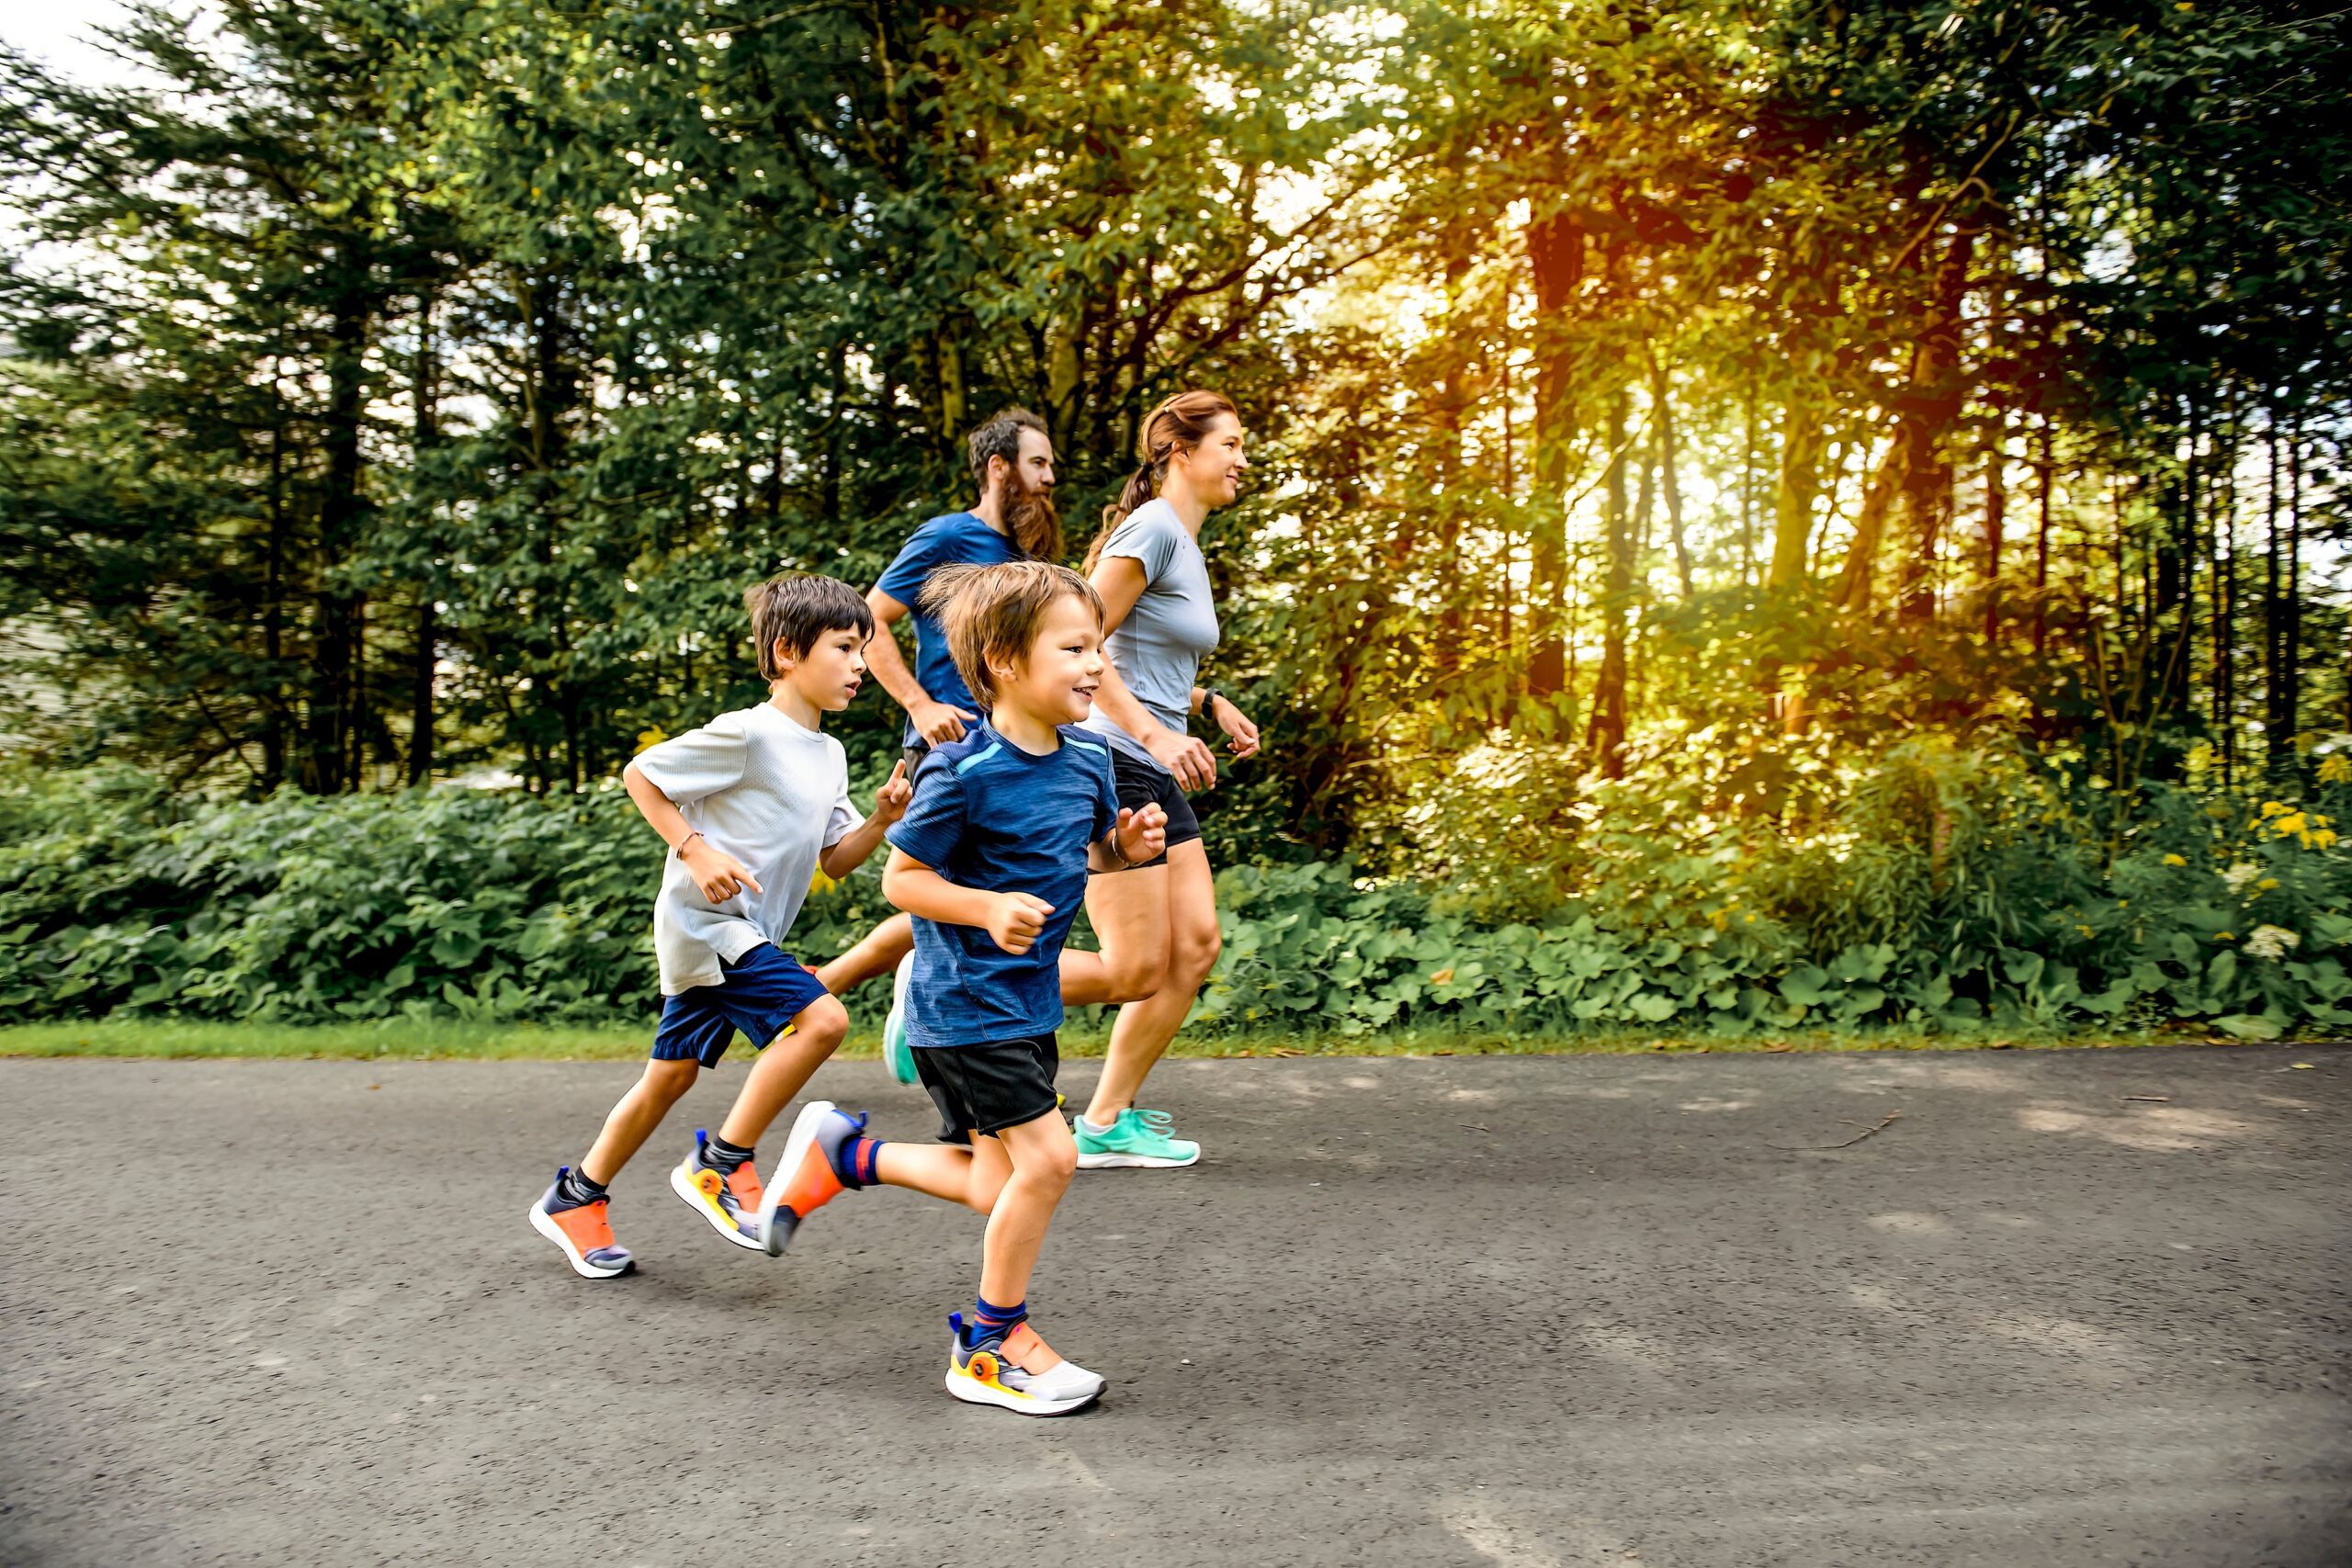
992, 861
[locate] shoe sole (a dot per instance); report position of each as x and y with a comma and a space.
683, 1186
895, 1049
972, 1390
796, 1149
544, 1222
1133, 1162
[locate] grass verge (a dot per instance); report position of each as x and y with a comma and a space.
413, 1041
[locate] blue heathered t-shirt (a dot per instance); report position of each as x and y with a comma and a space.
988, 815
959, 539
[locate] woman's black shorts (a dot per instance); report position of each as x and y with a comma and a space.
1140, 784
986, 1089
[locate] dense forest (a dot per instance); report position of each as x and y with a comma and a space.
1866, 473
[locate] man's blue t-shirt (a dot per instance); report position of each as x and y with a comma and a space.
959, 539
988, 815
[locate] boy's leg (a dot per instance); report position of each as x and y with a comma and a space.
972, 1176
1042, 1157
877, 953
997, 1357
633, 1120
574, 1213
783, 1069
1128, 910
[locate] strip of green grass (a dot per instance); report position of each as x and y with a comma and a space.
411, 1040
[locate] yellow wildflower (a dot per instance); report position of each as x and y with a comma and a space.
2274, 808
2324, 838
2223, 936
2290, 824
2266, 885
2174, 860
2336, 768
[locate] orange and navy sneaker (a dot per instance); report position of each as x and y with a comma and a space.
812, 1173
584, 1231
1018, 1371
728, 1198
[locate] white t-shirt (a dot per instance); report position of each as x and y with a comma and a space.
768, 791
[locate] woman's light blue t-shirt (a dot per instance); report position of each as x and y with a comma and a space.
1158, 648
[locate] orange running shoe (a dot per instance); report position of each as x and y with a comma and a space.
810, 1175
728, 1200
584, 1231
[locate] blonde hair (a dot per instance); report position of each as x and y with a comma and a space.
992, 612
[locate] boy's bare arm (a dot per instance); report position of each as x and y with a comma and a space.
719, 874
1012, 920
849, 852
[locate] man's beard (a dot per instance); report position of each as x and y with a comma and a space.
1036, 526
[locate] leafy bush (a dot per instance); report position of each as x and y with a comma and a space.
1935, 888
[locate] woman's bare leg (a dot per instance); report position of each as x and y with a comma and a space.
1145, 1028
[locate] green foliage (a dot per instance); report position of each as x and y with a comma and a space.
1947, 891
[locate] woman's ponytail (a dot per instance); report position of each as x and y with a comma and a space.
1177, 425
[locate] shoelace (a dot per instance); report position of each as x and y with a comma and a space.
1158, 1121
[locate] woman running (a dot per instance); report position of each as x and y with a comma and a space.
1161, 622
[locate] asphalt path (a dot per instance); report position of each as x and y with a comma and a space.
2068, 1308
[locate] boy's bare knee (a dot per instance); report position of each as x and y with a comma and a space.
1059, 1164
667, 1080
824, 1019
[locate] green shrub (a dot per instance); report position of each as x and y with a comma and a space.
1933, 887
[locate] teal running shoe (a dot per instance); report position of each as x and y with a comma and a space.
895, 1049
1139, 1138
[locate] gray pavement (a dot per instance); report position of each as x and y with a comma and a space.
2082, 1307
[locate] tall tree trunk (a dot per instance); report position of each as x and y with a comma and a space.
1669, 459
1996, 508
1800, 440
1747, 487
273, 612
1556, 251
1859, 577
333, 720
1936, 392
2045, 476
427, 394
1606, 736
2277, 732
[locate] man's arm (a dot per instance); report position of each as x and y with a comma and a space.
936, 722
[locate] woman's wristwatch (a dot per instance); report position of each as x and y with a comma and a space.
1209, 695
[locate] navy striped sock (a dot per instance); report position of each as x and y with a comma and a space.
992, 1322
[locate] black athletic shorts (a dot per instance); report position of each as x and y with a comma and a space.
914, 752
1140, 784
986, 1089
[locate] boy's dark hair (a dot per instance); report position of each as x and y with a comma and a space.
797, 608
991, 611
1001, 437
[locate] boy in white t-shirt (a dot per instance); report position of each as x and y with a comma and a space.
751, 805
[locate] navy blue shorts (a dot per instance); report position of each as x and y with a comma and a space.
764, 990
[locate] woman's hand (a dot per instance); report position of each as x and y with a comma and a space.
1190, 760
1237, 725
